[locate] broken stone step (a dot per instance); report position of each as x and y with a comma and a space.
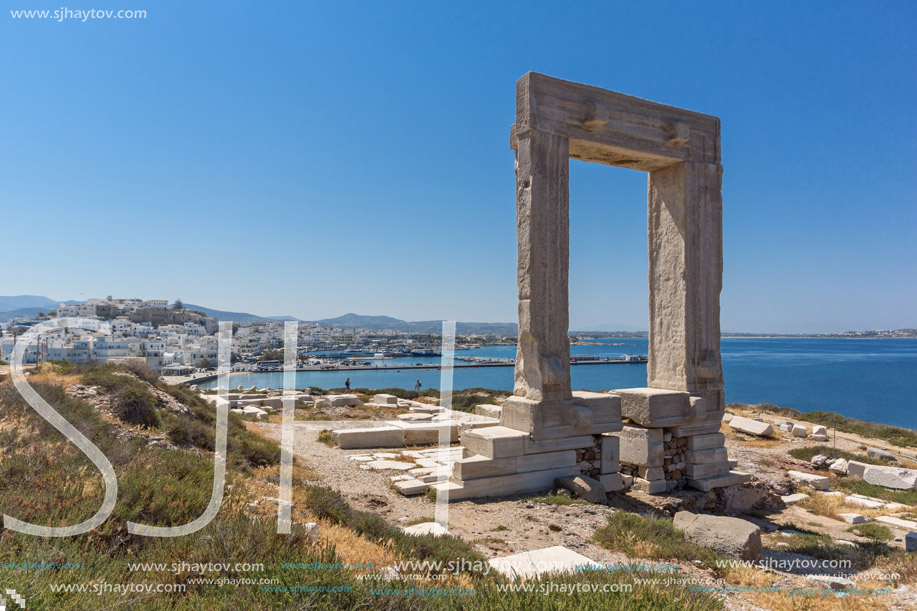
411, 487
505, 484
818, 482
494, 441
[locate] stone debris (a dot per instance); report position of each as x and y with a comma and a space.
853, 518
864, 501
839, 466
584, 487
897, 522
426, 528
819, 461
387, 465
832, 582
792, 499
732, 537
550, 560
889, 477
818, 482
751, 427
799, 430
881, 454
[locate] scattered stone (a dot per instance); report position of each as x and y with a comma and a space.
751, 427
853, 518
386, 465
819, 461
312, 532
820, 430
792, 499
839, 466
897, 522
426, 528
528, 565
732, 537
888, 477
799, 430
584, 487
863, 501
832, 582
727, 417
383, 399
818, 482
411, 487
880, 454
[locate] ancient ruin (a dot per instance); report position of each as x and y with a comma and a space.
546, 434
546, 429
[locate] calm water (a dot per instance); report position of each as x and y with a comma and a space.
869, 379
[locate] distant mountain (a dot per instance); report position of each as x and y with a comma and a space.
19, 302
357, 321
29, 312
242, 317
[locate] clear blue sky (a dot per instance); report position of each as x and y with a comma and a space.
284, 158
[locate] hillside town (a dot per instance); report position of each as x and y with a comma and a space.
173, 340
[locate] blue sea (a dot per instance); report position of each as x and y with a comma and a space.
868, 379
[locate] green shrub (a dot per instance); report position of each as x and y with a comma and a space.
136, 406
871, 530
648, 536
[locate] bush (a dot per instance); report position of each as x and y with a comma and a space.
647, 536
871, 530
136, 406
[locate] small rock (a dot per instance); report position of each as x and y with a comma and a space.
312, 532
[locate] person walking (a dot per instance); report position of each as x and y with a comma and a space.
347, 384
417, 386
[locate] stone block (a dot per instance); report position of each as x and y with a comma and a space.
640, 446
612, 481
584, 487
853, 518
815, 437
426, 528
550, 560
751, 427
383, 399
343, 400
707, 484
799, 430
705, 442
531, 446
706, 456
655, 407
503, 485
730, 537
863, 501
651, 473
792, 499
477, 467
818, 482
611, 454
839, 466
818, 429
707, 470
710, 424
896, 478
491, 411
650, 487
897, 522
856, 468
411, 487
379, 437
880, 454
494, 441
562, 418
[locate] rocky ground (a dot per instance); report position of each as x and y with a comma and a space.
508, 525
